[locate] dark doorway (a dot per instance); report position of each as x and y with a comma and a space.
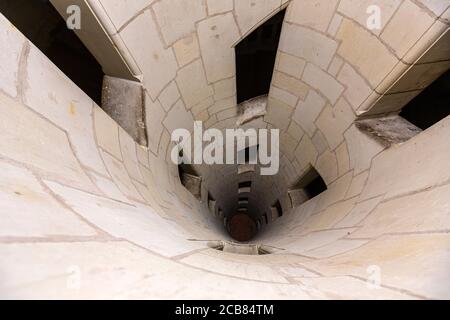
255, 59
39, 21
431, 105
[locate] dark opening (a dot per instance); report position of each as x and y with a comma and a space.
431, 105
277, 206
312, 183
243, 198
265, 218
210, 197
245, 184
255, 59
39, 21
249, 153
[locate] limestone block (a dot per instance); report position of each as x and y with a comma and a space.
335, 25
142, 222
290, 65
22, 197
338, 247
129, 155
50, 93
307, 44
424, 258
283, 96
347, 288
225, 88
320, 142
278, 114
306, 153
216, 36
408, 24
422, 212
107, 132
11, 42
323, 82
178, 117
342, 159
120, 176
34, 141
290, 84
357, 90
177, 18
158, 64
295, 130
227, 114
361, 148
333, 122
335, 66
357, 215
357, 184
365, 52
249, 13
431, 156
357, 10
120, 11
108, 187
154, 117
219, 6
327, 166
315, 14
438, 7
169, 96
193, 85
202, 106
187, 49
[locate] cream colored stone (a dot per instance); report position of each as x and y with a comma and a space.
333, 122
342, 159
315, 14
335, 66
361, 148
408, 24
193, 85
219, 6
250, 13
120, 176
338, 247
306, 153
224, 88
278, 114
187, 49
107, 132
50, 93
357, 90
283, 96
178, 117
108, 187
202, 106
29, 139
290, 65
358, 213
177, 18
431, 156
323, 82
129, 154
9, 38
335, 25
222, 105
307, 44
358, 11
357, 185
295, 130
307, 111
169, 96
365, 52
120, 11
320, 142
290, 84
154, 116
158, 64
216, 36
327, 166
27, 210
